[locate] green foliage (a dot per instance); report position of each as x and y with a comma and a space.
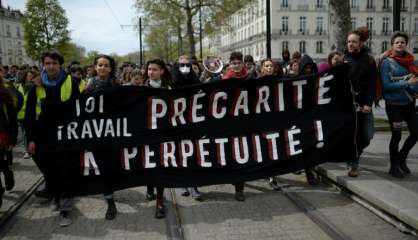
45, 27
89, 58
180, 18
71, 52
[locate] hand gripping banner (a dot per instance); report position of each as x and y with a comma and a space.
221, 132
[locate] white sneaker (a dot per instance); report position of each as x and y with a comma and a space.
26, 155
65, 219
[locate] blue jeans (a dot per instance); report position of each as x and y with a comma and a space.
365, 133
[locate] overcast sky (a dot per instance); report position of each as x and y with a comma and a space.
95, 27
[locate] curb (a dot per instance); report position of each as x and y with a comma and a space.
408, 214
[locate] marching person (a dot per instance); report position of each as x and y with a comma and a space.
363, 79
237, 70
56, 87
157, 76
77, 74
105, 67
185, 76
23, 86
8, 135
399, 76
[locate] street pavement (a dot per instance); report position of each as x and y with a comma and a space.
397, 197
299, 211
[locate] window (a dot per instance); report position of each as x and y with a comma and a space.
415, 49
18, 31
354, 3
369, 4
369, 45
8, 33
384, 46
319, 48
353, 23
319, 24
257, 52
416, 25
369, 23
385, 26
285, 45
285, 24
302, 24
403, 4
385, 4
285, 3
319, 3
302, 47
261, 49
403, 20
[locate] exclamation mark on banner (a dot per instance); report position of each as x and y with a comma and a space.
319, 134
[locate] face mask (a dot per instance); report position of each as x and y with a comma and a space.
184, 69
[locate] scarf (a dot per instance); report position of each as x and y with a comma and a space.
231, 74
52, 82
407, 60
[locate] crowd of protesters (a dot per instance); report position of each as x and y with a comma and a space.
23, 90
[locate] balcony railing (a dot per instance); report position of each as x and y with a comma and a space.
387, 9
285, 32
355, 8
304, 32
320, 7
285, 7
386, 32
416, 8
404, 9
415, 32
320, 32
303, 7
371, 8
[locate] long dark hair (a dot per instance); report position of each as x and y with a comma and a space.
166, 78
5, 95
112, 62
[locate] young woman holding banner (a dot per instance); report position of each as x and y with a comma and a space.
157, 76
105, 67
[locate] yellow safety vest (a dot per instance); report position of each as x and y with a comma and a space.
21, 113
66, 89
82, 85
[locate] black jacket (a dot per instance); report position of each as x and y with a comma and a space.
8, 121
182, 80
362, 75
307, 61
53, 98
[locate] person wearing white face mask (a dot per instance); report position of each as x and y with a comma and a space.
185, 76
157, 76
183, 73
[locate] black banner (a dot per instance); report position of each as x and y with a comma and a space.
222, 132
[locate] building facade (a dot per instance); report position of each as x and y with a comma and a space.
12, 51
303, 25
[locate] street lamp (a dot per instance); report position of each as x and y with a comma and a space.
396, 15
268, 32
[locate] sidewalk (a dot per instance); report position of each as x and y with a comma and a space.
27, 179
398, 197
